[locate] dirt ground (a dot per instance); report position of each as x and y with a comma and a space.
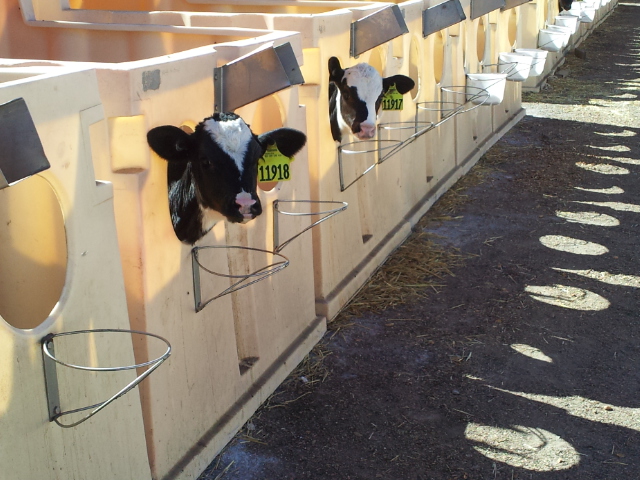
524, 361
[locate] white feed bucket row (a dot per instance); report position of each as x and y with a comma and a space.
491, 83
515, 66
553, 38
565, 32
585, 10
534, 58
567, 20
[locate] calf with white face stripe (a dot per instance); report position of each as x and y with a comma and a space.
355, 96
213, 172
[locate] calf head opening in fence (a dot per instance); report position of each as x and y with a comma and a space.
213, 172
355, 96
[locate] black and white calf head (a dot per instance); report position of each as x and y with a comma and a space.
355, 96
213, 172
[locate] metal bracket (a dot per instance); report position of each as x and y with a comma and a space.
242, 280
514, 3
482, 7
361, 147
441, 16
23, 158
277, 210
447, 109
376, 29
255, 76
51, 377
287, 58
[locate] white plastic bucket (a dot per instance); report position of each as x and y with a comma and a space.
493, 83
587, 15
570, 21
576, 9
566, 31
516, 65
550, 40
539, 59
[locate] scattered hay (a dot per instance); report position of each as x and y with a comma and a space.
311, 369
417, 268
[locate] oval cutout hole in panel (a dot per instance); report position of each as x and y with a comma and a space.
33, 252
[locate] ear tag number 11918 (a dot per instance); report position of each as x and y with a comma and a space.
392, 99
274, 166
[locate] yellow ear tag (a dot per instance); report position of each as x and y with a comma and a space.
274, 166
392, 100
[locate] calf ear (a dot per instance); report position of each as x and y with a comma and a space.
402, 82
335, 70
288, 140
170, 142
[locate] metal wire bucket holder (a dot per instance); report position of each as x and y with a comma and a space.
445, 109
276, 228
362, 147
512, 68
454, 100
243, 280
546, 44
496, 68
418, 127
51, 377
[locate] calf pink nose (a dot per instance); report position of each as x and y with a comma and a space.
367, 130
245, 200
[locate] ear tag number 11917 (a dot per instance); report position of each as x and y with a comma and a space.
392, 99
274, 166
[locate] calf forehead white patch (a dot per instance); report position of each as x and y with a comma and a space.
233, 137
366, 79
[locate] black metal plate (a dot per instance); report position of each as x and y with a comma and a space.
441, 16
290, 63
482, 7
514, 3
21, 152
376, 29
253, 77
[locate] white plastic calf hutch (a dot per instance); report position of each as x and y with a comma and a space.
349, 247
231, 355
61, 273
384, 203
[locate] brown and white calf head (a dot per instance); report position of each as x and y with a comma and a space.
213, 172
355, 96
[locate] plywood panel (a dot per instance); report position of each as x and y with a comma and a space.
63, 107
